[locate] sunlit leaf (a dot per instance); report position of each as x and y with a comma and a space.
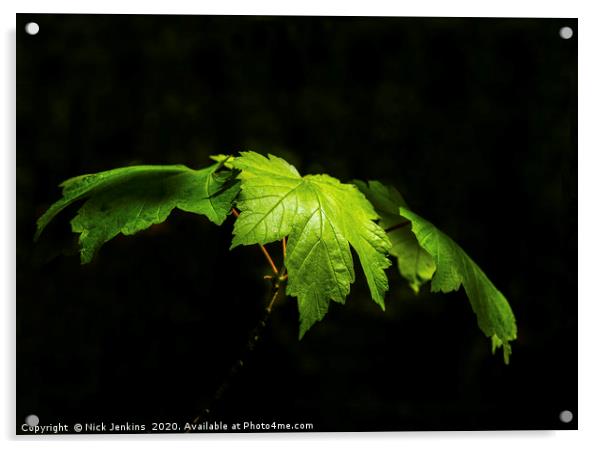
129, 199
454, 269
322, 218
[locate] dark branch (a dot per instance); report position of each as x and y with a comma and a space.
254, 338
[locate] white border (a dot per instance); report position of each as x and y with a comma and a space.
590, 224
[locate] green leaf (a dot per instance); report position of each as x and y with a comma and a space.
131, 199
455, 268
322, 217
414, 263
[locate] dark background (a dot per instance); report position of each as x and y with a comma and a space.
473, 120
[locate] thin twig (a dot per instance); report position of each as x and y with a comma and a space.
270, 261
284, 247
268, 309
254, 338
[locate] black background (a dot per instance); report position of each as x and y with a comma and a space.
473, 120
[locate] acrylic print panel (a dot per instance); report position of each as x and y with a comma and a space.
472, 120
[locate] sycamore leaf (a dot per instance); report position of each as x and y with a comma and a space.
322, 217
131, 199
455, 268
414, 263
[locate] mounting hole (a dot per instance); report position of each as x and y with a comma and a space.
566, 416
32, 28
32, 420
566, 32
